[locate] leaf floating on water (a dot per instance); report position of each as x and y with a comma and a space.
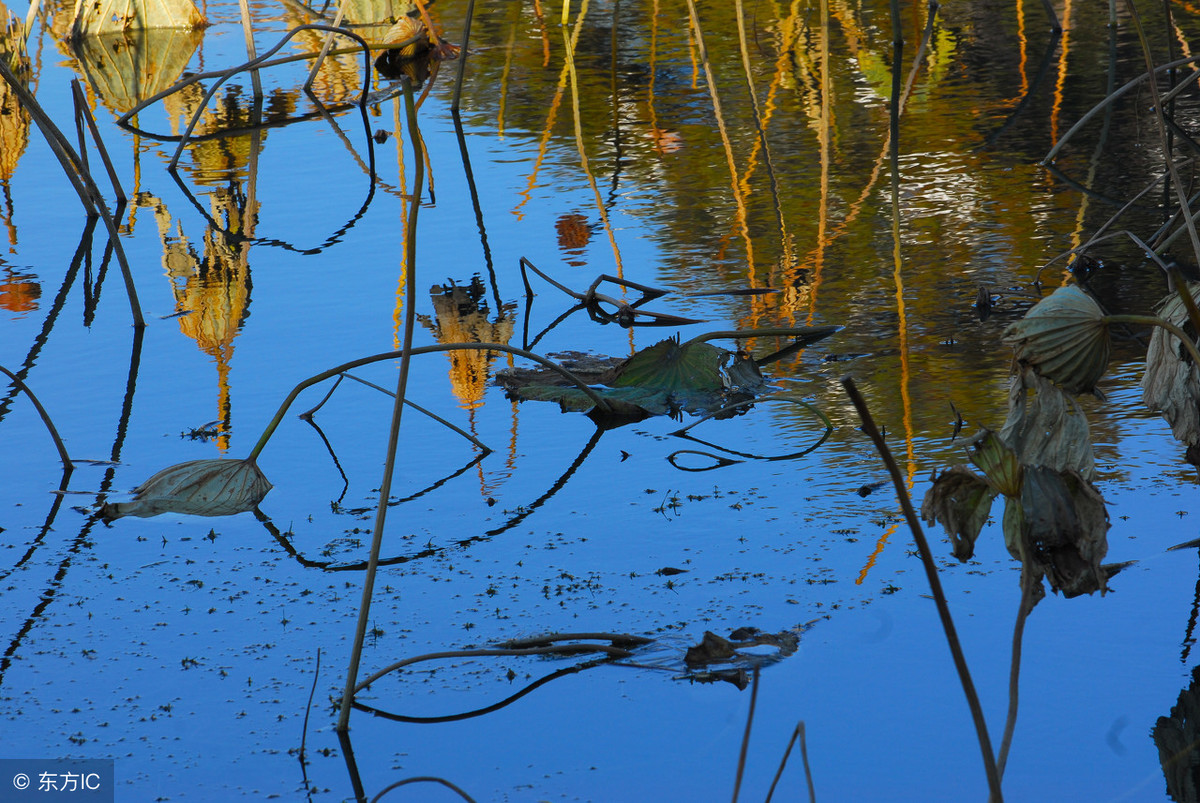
1065, 338
960, 500
1046, 427
694, 367
198, 488
1171, 383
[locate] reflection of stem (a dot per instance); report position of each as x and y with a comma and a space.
419, 409
1028, 584
397, 410
462, 55
1178, 184
80, 179
758, 120
716, 104
935, 586
583, 159
741, 767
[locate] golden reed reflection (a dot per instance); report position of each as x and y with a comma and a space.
211, 288
14, 139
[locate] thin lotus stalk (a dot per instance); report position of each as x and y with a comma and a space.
741, 767
193, 78
325, 46
702, 52
743, 334
422, 410
248, 35
82, 110
583, 159
462, 55
566, 12
1176, 181
385, 487
41, 411
935, 586
1151, 320
81, 180
399, 353
256, 63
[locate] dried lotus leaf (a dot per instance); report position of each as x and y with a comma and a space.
405, 29
198, 488
1065, 338
1171, 383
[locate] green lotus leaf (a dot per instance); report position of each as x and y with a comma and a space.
198, 488
687, 368
1065, 338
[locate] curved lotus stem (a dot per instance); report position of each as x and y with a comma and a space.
393, 355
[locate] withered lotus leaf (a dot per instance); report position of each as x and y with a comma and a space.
998, 462
198, 488
1171, 383
1065, 338
1065, 525
961, 501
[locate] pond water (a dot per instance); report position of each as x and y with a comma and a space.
207, 655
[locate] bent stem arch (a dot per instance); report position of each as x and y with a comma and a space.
393, 355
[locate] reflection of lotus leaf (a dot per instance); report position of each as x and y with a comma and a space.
108, 16
126, 67
14, 120
199, 488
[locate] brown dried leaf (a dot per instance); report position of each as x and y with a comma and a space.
1045, 427
1171, 383
960, 500
1065, 526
